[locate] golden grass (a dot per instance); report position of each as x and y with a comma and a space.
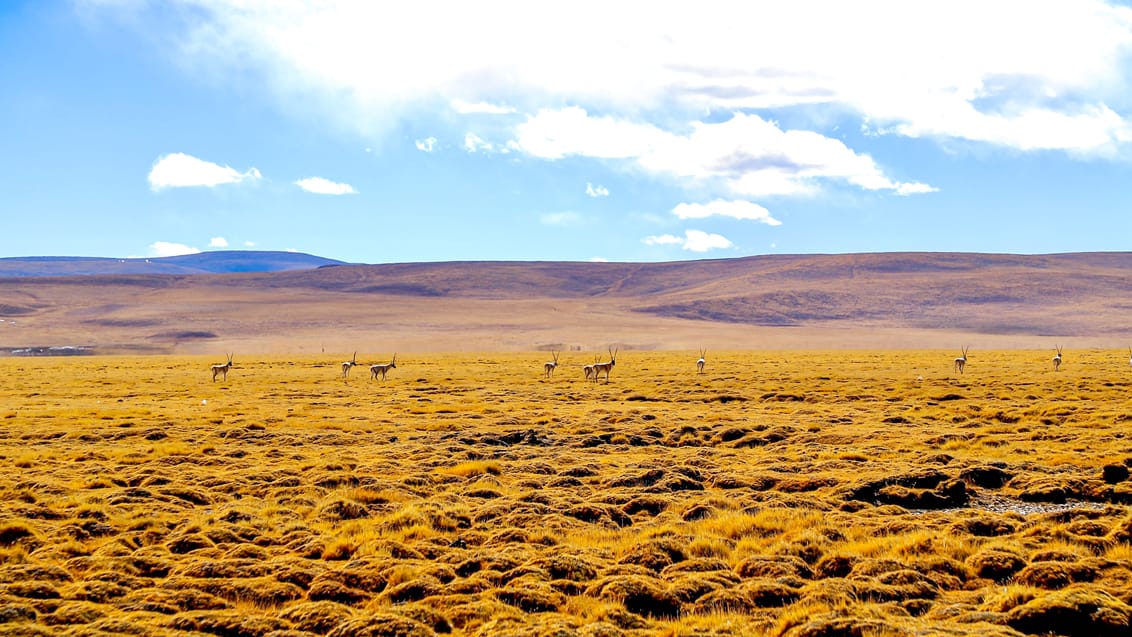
816, 493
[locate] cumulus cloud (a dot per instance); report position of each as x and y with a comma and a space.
748, 154
661, 240
735, 209
167, 249
1024, 76
321, 186
700, 241
596, 191
474, 143
693, 241
218, 242
426, 145
178, 170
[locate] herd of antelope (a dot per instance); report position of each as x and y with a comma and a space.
593, 371
961, 362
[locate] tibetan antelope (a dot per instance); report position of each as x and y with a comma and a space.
606, 367
588, 370
347, 365
961, 362
548, 367
1130, 355
374, 370
222, 369
700, 363
1057, 359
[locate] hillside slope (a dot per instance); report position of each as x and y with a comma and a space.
898, 299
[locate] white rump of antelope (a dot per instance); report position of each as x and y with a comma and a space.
549, 367
961, 362
348, 365
700, 363
607, 366
222, 369
588, 370
382, 369
1057, 359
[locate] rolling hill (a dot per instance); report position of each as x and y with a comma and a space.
218, 262
789, 301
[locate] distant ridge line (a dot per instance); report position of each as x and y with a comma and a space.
213, 262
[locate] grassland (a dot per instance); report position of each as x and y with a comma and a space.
779, 493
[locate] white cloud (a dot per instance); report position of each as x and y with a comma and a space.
568, 218
915, 189
596, 191
474, 143
748, 154
464, 108
662, 240
218, 242
249, 244
693, 241
738, 209
166, 249
1026, 74
700, 241
178, 170
426, 145
598, 260
321, 186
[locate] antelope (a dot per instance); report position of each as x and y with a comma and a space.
588, 370
1130, 355
607, 367
222, 369
962, 360
548, 367
1057, 359
700, 363
374, 370
347, 365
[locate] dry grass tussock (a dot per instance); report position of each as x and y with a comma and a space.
846, 493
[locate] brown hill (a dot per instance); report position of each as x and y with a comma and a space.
797, 301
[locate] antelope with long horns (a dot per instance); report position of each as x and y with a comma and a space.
700, 363
348, 365
588, 370
549, 367
961, 362
374, 370
606, 367
219, 369
1057, 359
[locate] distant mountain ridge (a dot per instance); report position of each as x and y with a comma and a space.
214, 262
220, 301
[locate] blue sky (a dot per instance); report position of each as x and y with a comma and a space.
630, 131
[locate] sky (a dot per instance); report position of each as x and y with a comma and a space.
377, 132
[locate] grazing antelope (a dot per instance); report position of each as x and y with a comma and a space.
374, 370
606, 367
347, 365
548, 368
700, 363
1057, 359
222, 369
961, 362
